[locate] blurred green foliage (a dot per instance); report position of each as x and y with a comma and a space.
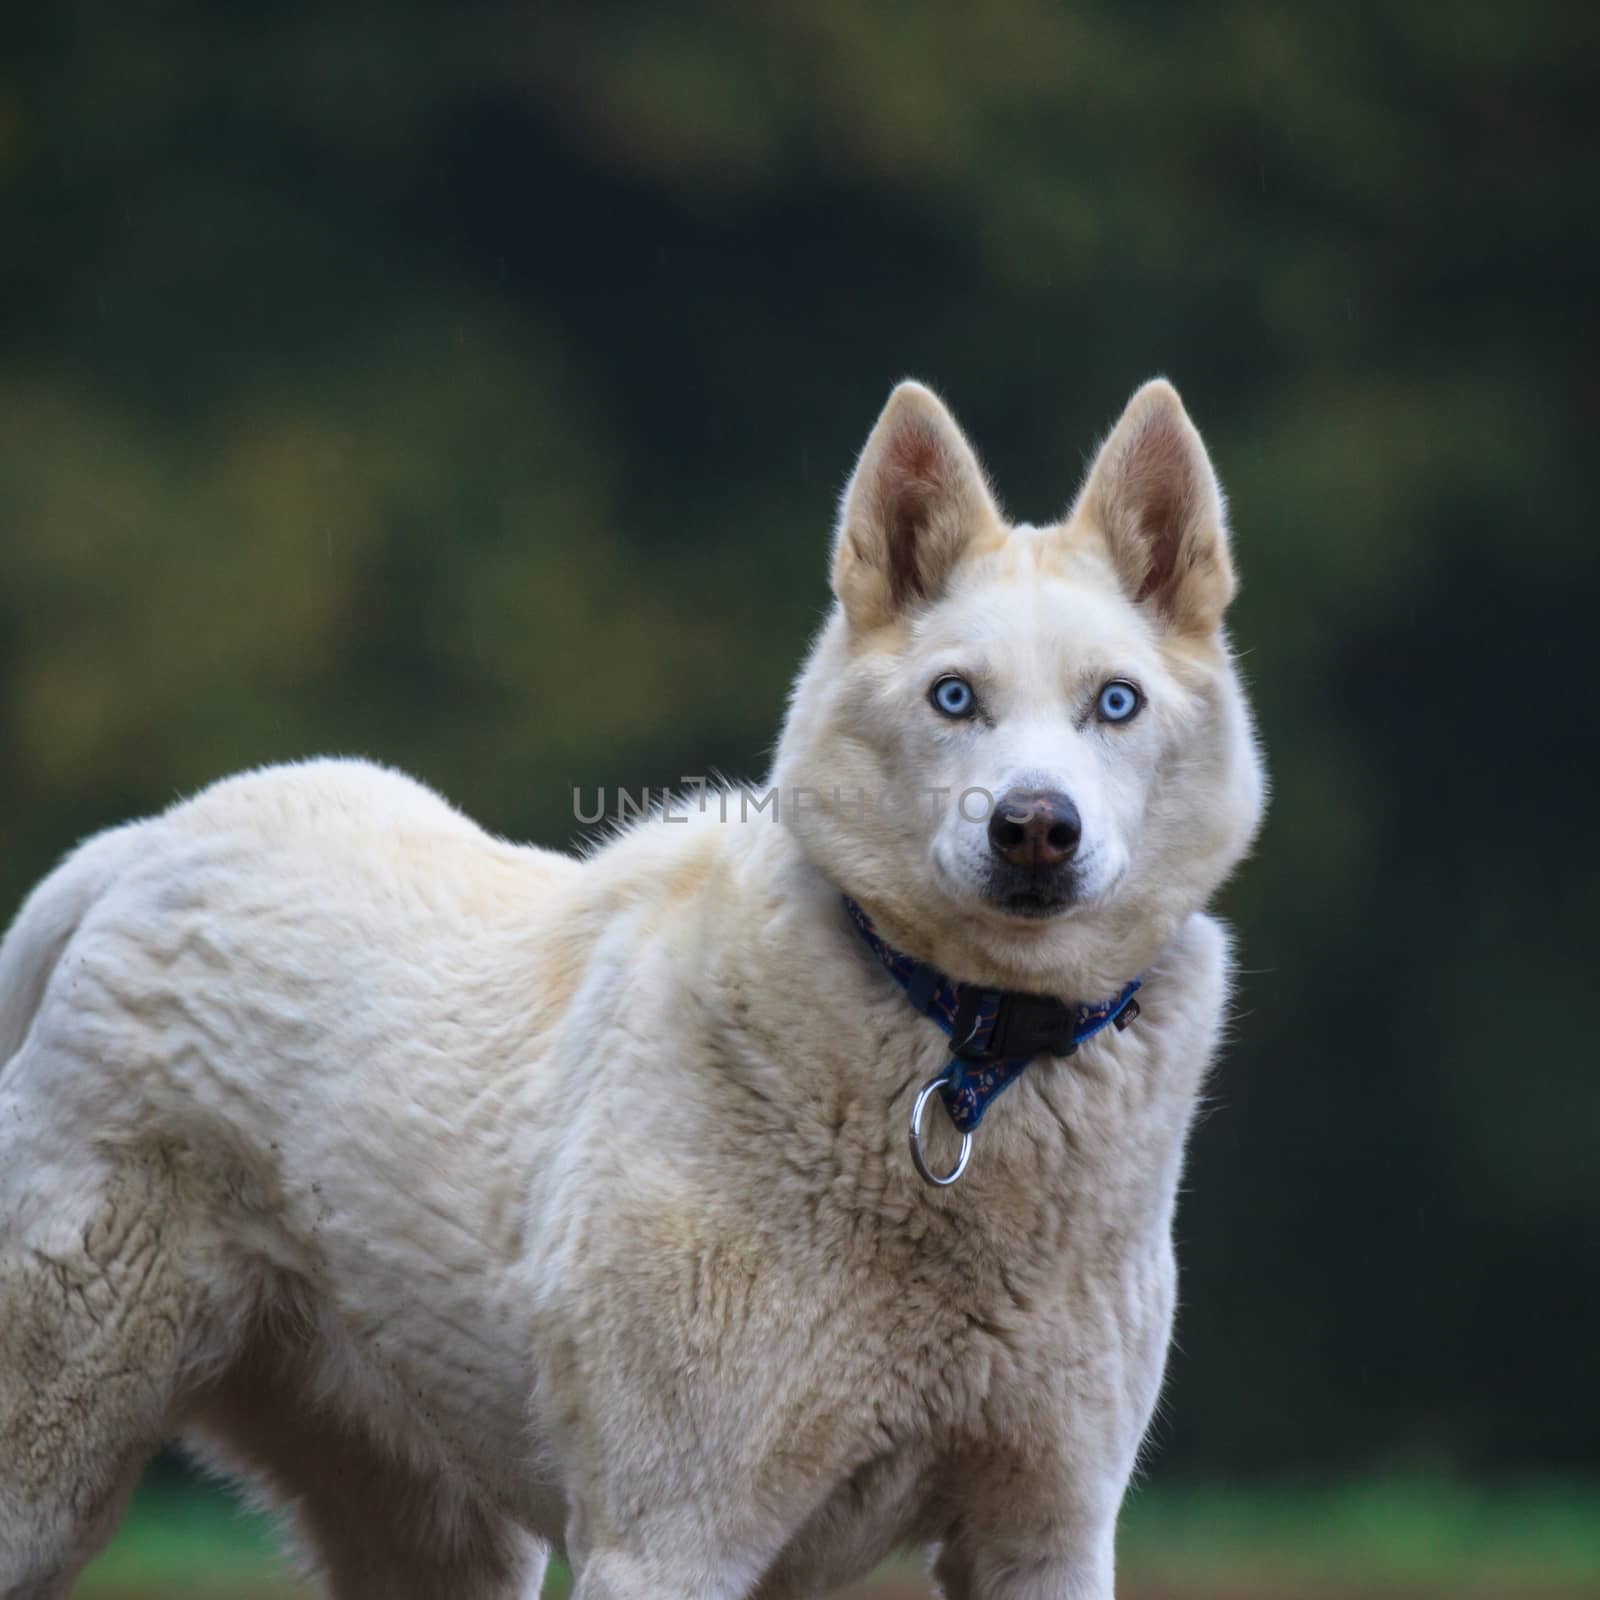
470, 387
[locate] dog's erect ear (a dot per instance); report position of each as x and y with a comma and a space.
915, 500
1154, 496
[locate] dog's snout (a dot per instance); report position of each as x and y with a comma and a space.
1036, 829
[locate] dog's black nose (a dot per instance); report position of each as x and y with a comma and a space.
1035, 829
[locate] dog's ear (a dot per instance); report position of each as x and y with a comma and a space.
1153, 495
916, 498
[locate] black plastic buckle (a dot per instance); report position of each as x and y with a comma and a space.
1025, 1025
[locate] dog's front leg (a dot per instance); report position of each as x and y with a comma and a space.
623, 1575
978, 1568
623, 1548
1044, 1527
1036, 1512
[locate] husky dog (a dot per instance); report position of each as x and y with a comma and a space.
467, 1200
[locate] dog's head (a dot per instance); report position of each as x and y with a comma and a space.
1025, 750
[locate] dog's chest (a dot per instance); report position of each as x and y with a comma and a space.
851, 1341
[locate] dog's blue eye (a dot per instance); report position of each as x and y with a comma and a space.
953, 695
1118, 701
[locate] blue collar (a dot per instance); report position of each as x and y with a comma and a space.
995, 1032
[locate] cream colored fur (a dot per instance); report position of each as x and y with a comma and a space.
467, 1199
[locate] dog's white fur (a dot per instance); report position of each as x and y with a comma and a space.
468, 1199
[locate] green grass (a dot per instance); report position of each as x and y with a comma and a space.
1396, 1536
1383, 1533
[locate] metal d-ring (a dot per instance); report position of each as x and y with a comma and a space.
917, 1158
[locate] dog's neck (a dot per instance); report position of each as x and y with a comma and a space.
1105, 952
994, 1033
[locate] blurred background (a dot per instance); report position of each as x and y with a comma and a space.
470, 387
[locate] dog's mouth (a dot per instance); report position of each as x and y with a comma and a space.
1032, 897
1033, 904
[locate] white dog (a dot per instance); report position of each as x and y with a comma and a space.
469, 1200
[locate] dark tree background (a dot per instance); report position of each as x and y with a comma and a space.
470, 386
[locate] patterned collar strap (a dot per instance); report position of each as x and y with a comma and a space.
994, 1033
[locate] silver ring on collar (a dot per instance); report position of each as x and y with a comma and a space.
918, 1160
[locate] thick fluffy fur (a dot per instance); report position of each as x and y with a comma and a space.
468, 1199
